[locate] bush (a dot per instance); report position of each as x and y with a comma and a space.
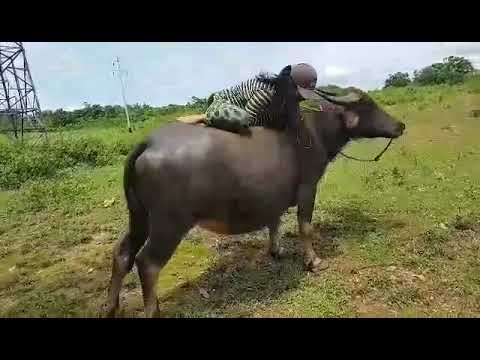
472, 82
398, 79
19, 164
415, 95
91, 147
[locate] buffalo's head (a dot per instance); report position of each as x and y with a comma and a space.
364, 118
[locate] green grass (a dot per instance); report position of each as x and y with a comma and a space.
402, 236
64, 149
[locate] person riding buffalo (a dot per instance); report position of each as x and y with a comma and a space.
265, 100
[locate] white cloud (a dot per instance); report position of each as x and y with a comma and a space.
71, 107
469, 50
336, 71
161, 73
66, 61
463, 48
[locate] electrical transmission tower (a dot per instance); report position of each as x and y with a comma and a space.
19, 106
121, 73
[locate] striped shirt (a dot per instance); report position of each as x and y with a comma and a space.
253, 96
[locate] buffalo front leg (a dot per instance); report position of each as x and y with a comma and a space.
274, 246
312, 261
306, 200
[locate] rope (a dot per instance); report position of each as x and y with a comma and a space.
376, 158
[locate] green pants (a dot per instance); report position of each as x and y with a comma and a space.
224, 115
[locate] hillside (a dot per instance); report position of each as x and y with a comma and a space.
402, 236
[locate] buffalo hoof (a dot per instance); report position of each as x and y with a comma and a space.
316, 265
279, 254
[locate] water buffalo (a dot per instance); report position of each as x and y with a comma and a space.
185, 175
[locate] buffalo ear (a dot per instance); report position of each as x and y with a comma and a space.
351, 119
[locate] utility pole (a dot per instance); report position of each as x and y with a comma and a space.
121, 73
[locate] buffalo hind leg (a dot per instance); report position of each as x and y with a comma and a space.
274, 245
124, 254
163, 239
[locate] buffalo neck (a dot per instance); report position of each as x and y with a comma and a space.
332, 134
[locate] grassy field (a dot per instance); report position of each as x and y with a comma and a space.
402, 236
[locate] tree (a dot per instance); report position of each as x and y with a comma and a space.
429, 75
61, 117
452, 70
458, 65
398, 79
95, 111
200, 103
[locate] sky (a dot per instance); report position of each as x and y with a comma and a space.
68, 74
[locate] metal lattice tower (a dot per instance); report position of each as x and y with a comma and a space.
19, 105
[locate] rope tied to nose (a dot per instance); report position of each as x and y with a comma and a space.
306, 106
376, 158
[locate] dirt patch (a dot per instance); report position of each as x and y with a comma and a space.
101, 237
